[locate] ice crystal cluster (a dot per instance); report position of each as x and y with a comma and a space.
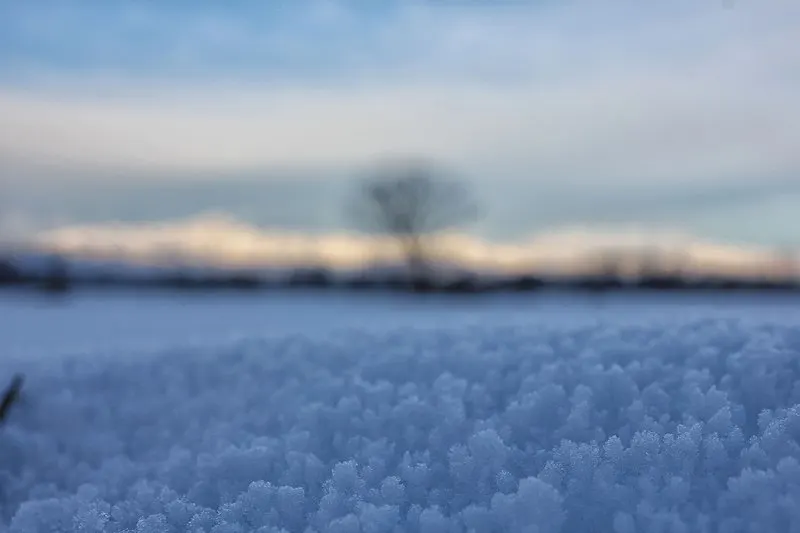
691, 426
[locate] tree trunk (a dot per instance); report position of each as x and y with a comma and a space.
419, 269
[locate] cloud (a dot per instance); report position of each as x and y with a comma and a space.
574, 94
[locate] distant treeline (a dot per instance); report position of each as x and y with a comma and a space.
59, 280
408, 201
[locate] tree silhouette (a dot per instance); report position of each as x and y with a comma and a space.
410, 201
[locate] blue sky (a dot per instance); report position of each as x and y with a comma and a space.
676, 113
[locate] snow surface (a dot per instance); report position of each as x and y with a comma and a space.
324, 414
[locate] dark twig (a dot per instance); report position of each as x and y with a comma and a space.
10, 396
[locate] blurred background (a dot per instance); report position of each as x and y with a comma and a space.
589, 136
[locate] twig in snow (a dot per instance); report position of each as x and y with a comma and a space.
10, 396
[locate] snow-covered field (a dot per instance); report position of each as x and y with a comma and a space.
328, 414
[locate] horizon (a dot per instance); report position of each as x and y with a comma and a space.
217, 241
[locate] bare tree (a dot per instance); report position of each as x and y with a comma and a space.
411, 200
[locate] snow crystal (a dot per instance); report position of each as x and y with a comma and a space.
689, 427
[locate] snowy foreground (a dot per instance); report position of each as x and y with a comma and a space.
572, 418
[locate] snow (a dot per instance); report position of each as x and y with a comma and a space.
308, 413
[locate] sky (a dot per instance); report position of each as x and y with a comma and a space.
678, 116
